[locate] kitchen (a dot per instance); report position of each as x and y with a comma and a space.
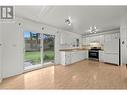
103, 47
80, 43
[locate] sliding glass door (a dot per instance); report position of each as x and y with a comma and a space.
32, 50
48, 49
34, 54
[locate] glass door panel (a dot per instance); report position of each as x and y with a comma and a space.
32, 50
48, 49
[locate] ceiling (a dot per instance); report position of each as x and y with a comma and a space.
103, 17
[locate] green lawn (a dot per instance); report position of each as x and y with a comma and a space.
48, 55
35, 56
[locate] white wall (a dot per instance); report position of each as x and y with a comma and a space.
11, 50
67, 39
31, 26
61, 37
13, 43
123, 36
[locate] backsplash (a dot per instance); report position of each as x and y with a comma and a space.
93, 45
74, 43
69, 46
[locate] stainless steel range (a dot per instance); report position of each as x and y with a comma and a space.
94, 52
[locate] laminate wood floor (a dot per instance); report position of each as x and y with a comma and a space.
86, 74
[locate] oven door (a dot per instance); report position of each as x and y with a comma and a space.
93, 54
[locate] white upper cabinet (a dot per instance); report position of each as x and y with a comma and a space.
101, 38
86, 40
111, 43
93, 39
98, 39
70, 40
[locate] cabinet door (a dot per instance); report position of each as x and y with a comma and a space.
101, 56
86, 54
74, 57
111, 58
90, 40
101, 39
67, 58
87, 40
98, 39
94, 39
84, 41
81, 55
111, 43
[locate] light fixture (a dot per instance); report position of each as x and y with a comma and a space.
68, 21
92, 29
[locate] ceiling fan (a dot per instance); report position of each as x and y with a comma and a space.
68, 21
93, 29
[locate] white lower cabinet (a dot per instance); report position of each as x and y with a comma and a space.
69, 57
74, 57
65, 57
101, 56
85, 54
111, 58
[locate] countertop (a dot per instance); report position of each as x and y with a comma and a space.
76, 49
